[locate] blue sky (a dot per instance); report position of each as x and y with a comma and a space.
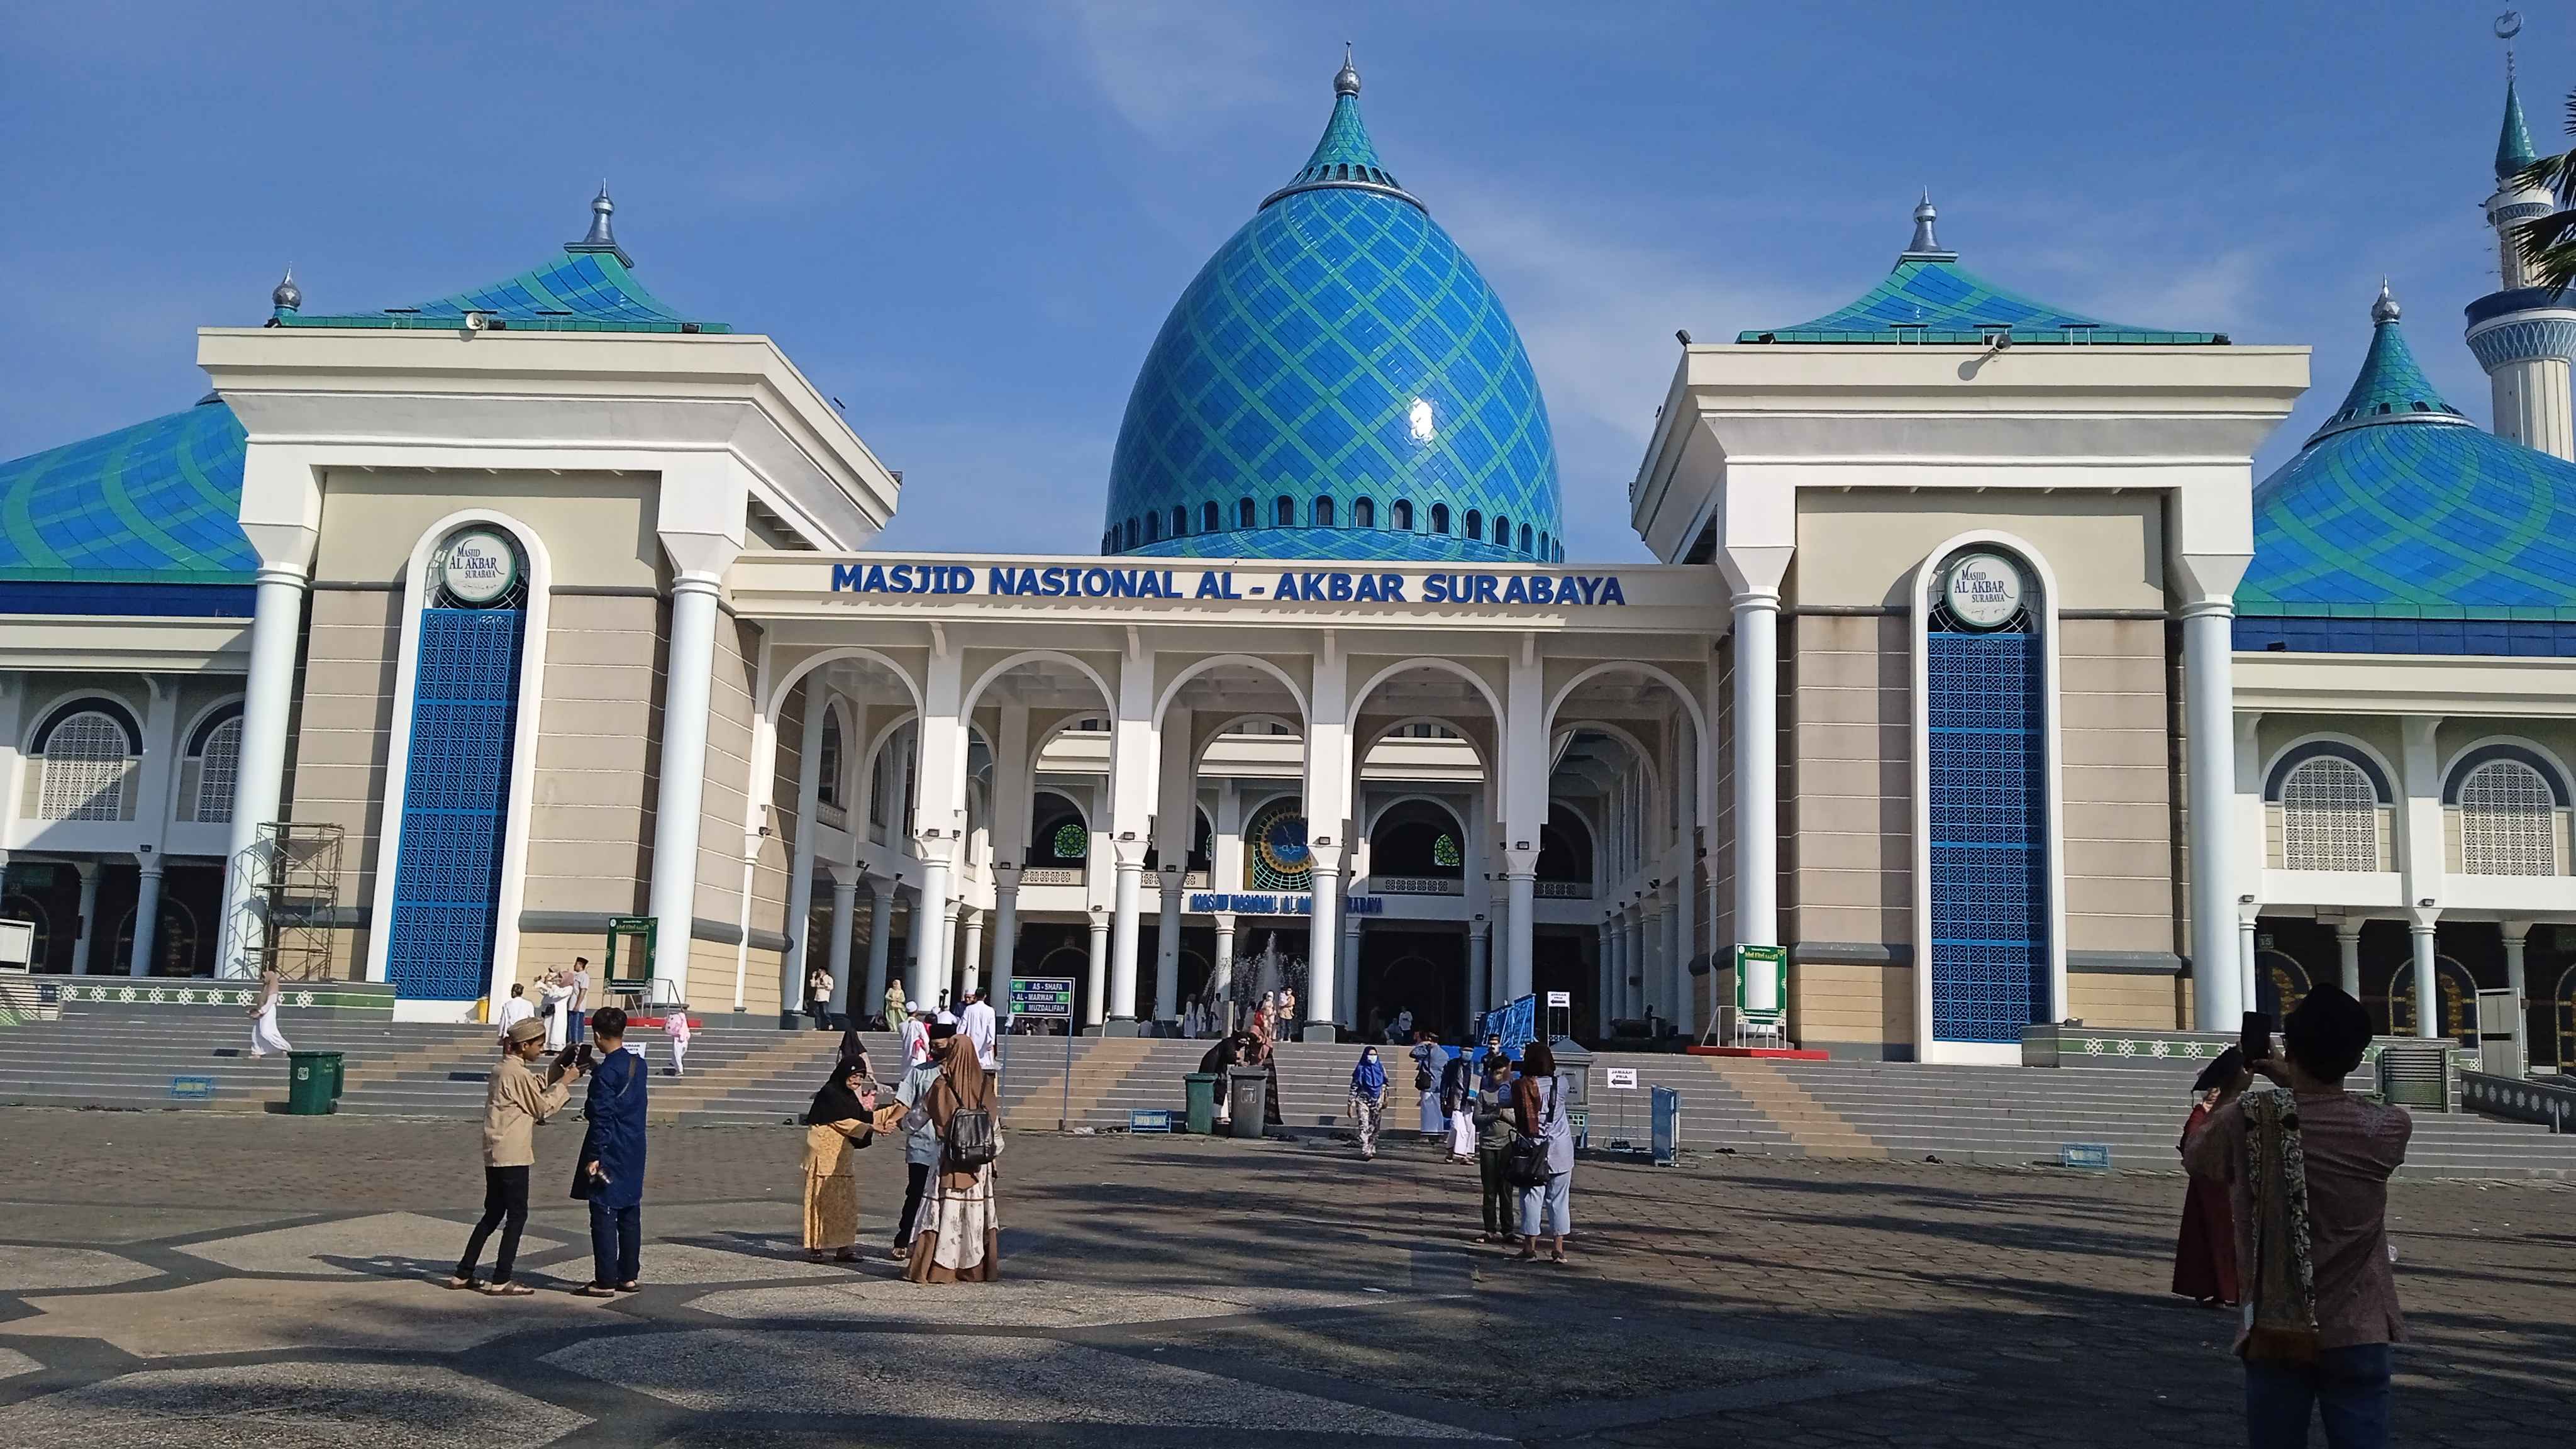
966, 221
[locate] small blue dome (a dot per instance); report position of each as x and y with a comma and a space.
1337, 382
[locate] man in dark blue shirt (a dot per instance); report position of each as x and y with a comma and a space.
610, 1173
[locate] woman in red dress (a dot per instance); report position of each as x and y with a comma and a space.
2205, 1254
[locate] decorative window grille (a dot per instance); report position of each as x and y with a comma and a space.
1987, 710
827, 762
1444, 851
2508, 821
2329, 816
1072, 842
1275, 854
85, 759
218, 771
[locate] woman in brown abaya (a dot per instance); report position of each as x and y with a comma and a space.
957, 1238
2205, 1254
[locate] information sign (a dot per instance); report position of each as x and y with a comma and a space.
1621, 1079
2096, 1155
1047, 996
191, 1089
1560, 998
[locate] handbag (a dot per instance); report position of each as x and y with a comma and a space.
1525, 1160
1421, 1078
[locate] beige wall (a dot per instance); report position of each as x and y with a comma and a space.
342, 729
728, 776
1832, 1004
2117, 805
597, 528
1847, 798
1860, 549
2138, 1001
590, 833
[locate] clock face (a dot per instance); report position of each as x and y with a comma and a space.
479, 566
1983, 590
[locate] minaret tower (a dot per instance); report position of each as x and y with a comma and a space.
2524, 336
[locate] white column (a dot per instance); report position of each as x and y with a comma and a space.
1605, 958
2348, 957
943, 967
1520, 894
2517, 934
1167, 939
920, 924
88, 870
2209, 743
1470, 990
677, 805
277, 622
2245, 921
1757, 766
2428, 998
1126, 908
880, 941
1480, 968
971, 966
1095, 983
1676, 973
1323, 931
1221, 970
845, 905
1632, 980
147, 915
1006, 931
800, 870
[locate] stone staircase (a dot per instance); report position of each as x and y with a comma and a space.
126, 1057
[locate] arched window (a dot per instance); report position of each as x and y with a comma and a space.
1363, 513
86, 746
1525, 538
1180, 521
2508, 821
2329, 816
1323, 513
1153, 528
827, 760
1502, 531
1439, 518
210, 768
1133, 533
1210, 517
1476, 525
1283, 511
1404, 514
1245, 515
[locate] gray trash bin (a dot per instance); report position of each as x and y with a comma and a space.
1247, 1098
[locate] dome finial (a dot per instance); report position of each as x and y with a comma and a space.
288, 296
602, 237
1346, 81
1926, 247
2384, 307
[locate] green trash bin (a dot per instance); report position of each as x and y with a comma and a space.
1202, 1099
339, 1076
310, 1077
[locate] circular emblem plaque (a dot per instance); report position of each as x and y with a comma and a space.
479, 566
1983, 590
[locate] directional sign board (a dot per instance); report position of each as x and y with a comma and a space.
1042, 996
1622, 1079
1560, 999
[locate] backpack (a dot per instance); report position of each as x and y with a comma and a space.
971, 1141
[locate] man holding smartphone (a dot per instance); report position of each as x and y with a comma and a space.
2307, 1165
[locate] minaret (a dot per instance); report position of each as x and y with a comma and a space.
2522, 335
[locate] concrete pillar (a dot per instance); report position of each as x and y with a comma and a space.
147, 915
1006, 932
1327, 796
944, 966
1632, 981
2428, 996
1520, 889
2517, 934
970, 965
845, 905
880, 940
1480, 968
1347, 991
1222, 969
920, 924
277, 623
2209, 750
2245, 953
792, 969
1757, 766
2348, 957
1323, 933
88, 870
1167, 941
686, 689
1095, 978
1126, 909
1685, 918
1603, 963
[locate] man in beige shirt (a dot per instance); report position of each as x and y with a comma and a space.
514, 1103
2351, 1147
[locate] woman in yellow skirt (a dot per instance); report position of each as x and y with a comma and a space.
836, 1127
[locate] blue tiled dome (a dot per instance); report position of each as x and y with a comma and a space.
1337, 382
2403, 527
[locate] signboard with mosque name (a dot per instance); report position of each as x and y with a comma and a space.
1050, 996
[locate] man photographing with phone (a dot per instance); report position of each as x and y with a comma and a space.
2307, 1165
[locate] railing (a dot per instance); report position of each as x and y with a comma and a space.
1564, 890
1050, 875
2546, 1103
1416, 885
1195, 880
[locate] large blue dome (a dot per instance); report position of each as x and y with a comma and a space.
1337, 382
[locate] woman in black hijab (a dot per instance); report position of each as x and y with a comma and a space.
836, 1127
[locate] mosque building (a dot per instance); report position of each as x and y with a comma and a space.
1976, 669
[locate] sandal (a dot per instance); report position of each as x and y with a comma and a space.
456, 1282
594, 1290
630, 1286
846, 1255
509, 1290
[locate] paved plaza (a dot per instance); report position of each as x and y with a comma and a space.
196, 1280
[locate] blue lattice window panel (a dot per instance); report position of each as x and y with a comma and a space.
456, 803
1989, 846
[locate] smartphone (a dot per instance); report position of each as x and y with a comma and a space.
2256, 1038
